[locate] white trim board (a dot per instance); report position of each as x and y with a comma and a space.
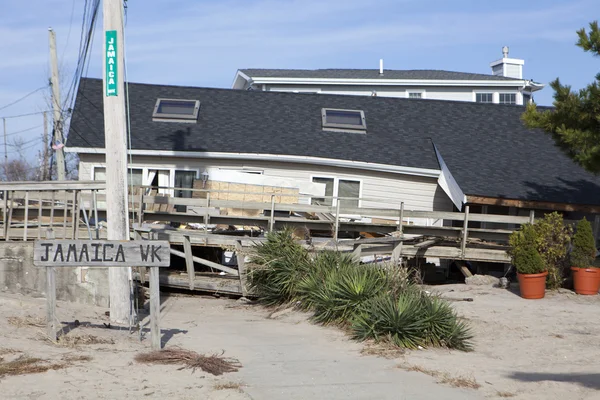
449, 184
330, 162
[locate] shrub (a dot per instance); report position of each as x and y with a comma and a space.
583, 252
523, 249
378, 302
553, 244
412, 320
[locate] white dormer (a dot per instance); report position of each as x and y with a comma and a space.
508, 67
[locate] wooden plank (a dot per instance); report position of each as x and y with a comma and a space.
357, 252
241, 262
53, 185
50, 297
397, 253
538, 205
272, 215
101, 253
401, 217
189, 261
463, 268
155, 308
10, 212
40, 215
4, 209
65, 213
465, 233
427, 243
75, 216
52, 210
206, 262
531, 216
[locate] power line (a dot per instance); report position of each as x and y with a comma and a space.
23, 98
24, 115
24, 130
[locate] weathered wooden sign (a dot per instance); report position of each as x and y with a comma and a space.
101, 253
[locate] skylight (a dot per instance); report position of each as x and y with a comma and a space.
178, 110
348, 120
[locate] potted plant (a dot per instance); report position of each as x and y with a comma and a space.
531, 270
586, 276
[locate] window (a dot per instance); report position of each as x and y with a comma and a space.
328, 192
184, 180
343, 119
349, 193
484, 97
181, 110
347, 190
134, 176
415, 95
508, 98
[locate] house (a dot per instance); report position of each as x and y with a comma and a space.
372, 151
505, 85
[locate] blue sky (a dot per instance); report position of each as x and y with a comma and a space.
203, 43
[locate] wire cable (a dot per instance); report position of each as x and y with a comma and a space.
23, 98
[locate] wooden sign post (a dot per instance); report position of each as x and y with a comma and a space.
52, 253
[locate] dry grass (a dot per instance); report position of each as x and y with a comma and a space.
454, 381
505, 394
25, 365
213, 364
5, 351
228, 386
28, 320
76, 358
78, 340
382, 349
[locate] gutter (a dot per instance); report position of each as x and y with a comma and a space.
329, 162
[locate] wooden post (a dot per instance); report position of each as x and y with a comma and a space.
26, 220
52, 199
10, 212
4, 209
532, 216
465, 233
241, 262
272, 216
75, 216
356, 253
397, 253
337, 221
50, 297
206, 216
400, 225
95, 200
66, 213
155, 308
39, 235
141, 209
189, 261
596, 227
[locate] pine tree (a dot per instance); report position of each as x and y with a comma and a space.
575, 120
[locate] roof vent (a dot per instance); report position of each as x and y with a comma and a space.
381, 66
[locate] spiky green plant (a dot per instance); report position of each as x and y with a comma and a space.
278, 264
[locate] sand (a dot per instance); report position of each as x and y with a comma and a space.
524, 349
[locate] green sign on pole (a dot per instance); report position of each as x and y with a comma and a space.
111, 63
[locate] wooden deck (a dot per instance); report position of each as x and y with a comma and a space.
77, 210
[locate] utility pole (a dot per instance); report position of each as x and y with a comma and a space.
45, 155
58, 136
115, 129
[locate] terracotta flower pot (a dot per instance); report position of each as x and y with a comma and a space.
532, 286
586, 280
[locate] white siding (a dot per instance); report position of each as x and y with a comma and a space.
456, 93
386, 189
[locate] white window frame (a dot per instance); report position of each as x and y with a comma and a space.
510, 92
336, 186
343, 127
176, 117
476, 92
422, 91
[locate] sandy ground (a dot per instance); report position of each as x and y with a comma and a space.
524, 349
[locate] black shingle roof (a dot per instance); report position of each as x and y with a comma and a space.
417, 74
486, 147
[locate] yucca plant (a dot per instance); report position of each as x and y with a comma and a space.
346, 291
278, 264
398, 320
442, 326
